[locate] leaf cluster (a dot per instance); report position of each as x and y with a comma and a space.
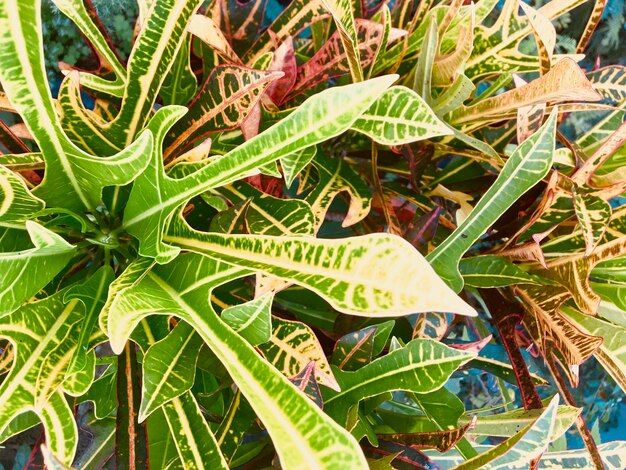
297, 244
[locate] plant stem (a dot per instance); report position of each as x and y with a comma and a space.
581, 424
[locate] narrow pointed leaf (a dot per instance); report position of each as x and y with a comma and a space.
529, 163
270, 394
195, 443
423, 365
493, 271
518, 451
169, 368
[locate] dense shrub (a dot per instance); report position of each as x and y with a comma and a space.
359, 234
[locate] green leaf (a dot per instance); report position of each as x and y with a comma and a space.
237, 421
73, 178
400, 116
44, 336
293, 164
180, 85
269, 215
321, 117
494, 271
252, 320
377, 274
529, 164
423, 365
496, 48
161, 37
17, 204
195, 443
294, 423
92, 294
509, 423
518, 451
169, 368
50, 254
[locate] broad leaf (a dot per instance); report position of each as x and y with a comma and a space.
400, 116
169, 368
423, 365
275, 400
292, 347
17, 204
339, 107
376, 274
50, 254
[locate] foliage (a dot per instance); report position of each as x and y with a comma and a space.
297, 243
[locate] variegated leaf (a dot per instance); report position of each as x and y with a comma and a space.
423, 365
268, 215
565, 82
610, 82
50, 254
251, 320
295, 17
334, 177
339, 106
508, 423
293, 164
611, 353
73, 178
223, 103
548, 326
496, 48
17, 204
44, 336
529, 164
162, 34
331, 61
400, 116
78, 13
573, 271
373, 275
518, 451
276, 401
292, 346
593, 214
169, 368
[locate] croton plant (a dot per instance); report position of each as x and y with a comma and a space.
293, 243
